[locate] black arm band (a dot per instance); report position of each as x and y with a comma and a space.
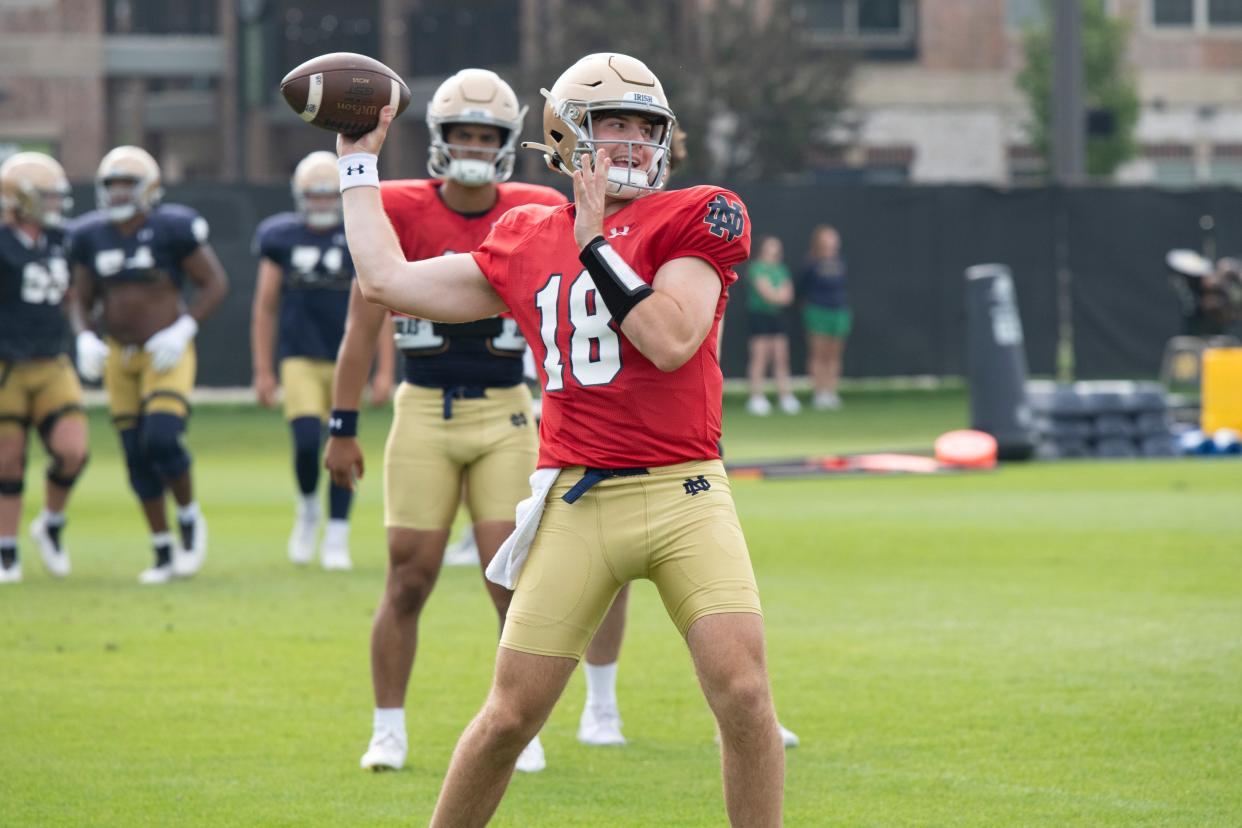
619, 286
343, 423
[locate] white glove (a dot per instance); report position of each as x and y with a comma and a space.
92, 354
167, 346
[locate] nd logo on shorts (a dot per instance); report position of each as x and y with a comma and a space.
694, 485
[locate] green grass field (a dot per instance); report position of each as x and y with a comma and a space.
1046, 645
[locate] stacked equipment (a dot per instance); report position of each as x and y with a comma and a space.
1101, 419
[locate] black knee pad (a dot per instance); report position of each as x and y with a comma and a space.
143, 478
161, 441
12, 487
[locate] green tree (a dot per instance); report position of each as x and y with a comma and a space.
1109, 86
754, 96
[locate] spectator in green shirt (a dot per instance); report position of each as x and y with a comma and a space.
769, 290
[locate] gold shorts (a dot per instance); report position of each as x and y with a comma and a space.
134, 387
491, 440
675, 526
34, 390
307, 386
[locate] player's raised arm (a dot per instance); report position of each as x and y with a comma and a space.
443, 289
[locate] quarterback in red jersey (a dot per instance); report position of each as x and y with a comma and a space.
620, 297
462, 412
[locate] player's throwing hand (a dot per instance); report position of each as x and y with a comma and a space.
368, 141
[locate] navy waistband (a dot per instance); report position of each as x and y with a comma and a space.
593, 476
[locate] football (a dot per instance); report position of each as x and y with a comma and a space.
343, 92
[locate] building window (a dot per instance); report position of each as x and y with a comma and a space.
308, 28
889, 164
440, 33
1226, 164
1022, 13
1026, 166
867, 24
1196, 14
1172, 164
1173, 12
185, 17
1224, 12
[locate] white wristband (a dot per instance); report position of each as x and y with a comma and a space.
358, 169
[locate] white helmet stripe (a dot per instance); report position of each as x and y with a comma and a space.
314, 97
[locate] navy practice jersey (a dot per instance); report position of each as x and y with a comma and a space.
33, 281
170, 233
314, 289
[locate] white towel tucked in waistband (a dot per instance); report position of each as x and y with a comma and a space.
507, 564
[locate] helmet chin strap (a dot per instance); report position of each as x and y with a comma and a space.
322, 219
122, 212
472, 172
627, 182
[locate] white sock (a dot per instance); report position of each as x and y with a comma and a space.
187, 513
389, 718
337, 530
51, 518
308, 504
601, 681
161, 538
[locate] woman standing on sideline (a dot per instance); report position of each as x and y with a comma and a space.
826, 314
769, 290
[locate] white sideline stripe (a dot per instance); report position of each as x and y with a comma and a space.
620, 268
314, 97
395, 95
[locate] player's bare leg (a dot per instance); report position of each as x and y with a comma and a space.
780, 371
600, 723
756, 370
834, 355
66, 443
489, 535
12, 469
524, 691
414, 560
729, 660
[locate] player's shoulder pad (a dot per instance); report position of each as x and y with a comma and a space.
517, 192
179, 216
87, 222
720, 211
525, 217
278, 224
411, 191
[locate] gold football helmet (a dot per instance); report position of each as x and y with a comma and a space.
127, 183
474, 96
318, 176
33, 188
606, 82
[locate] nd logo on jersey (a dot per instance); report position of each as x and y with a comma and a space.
725, 218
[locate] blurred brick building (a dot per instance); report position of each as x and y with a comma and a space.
934, 98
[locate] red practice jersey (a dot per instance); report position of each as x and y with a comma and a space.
606, 405
427, 227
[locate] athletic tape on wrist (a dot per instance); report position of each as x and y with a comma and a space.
621, 288
343, 423
358, 169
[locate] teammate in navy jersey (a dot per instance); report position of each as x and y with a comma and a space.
463, 412
37, 384
131, 258
301, 299
620, 296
